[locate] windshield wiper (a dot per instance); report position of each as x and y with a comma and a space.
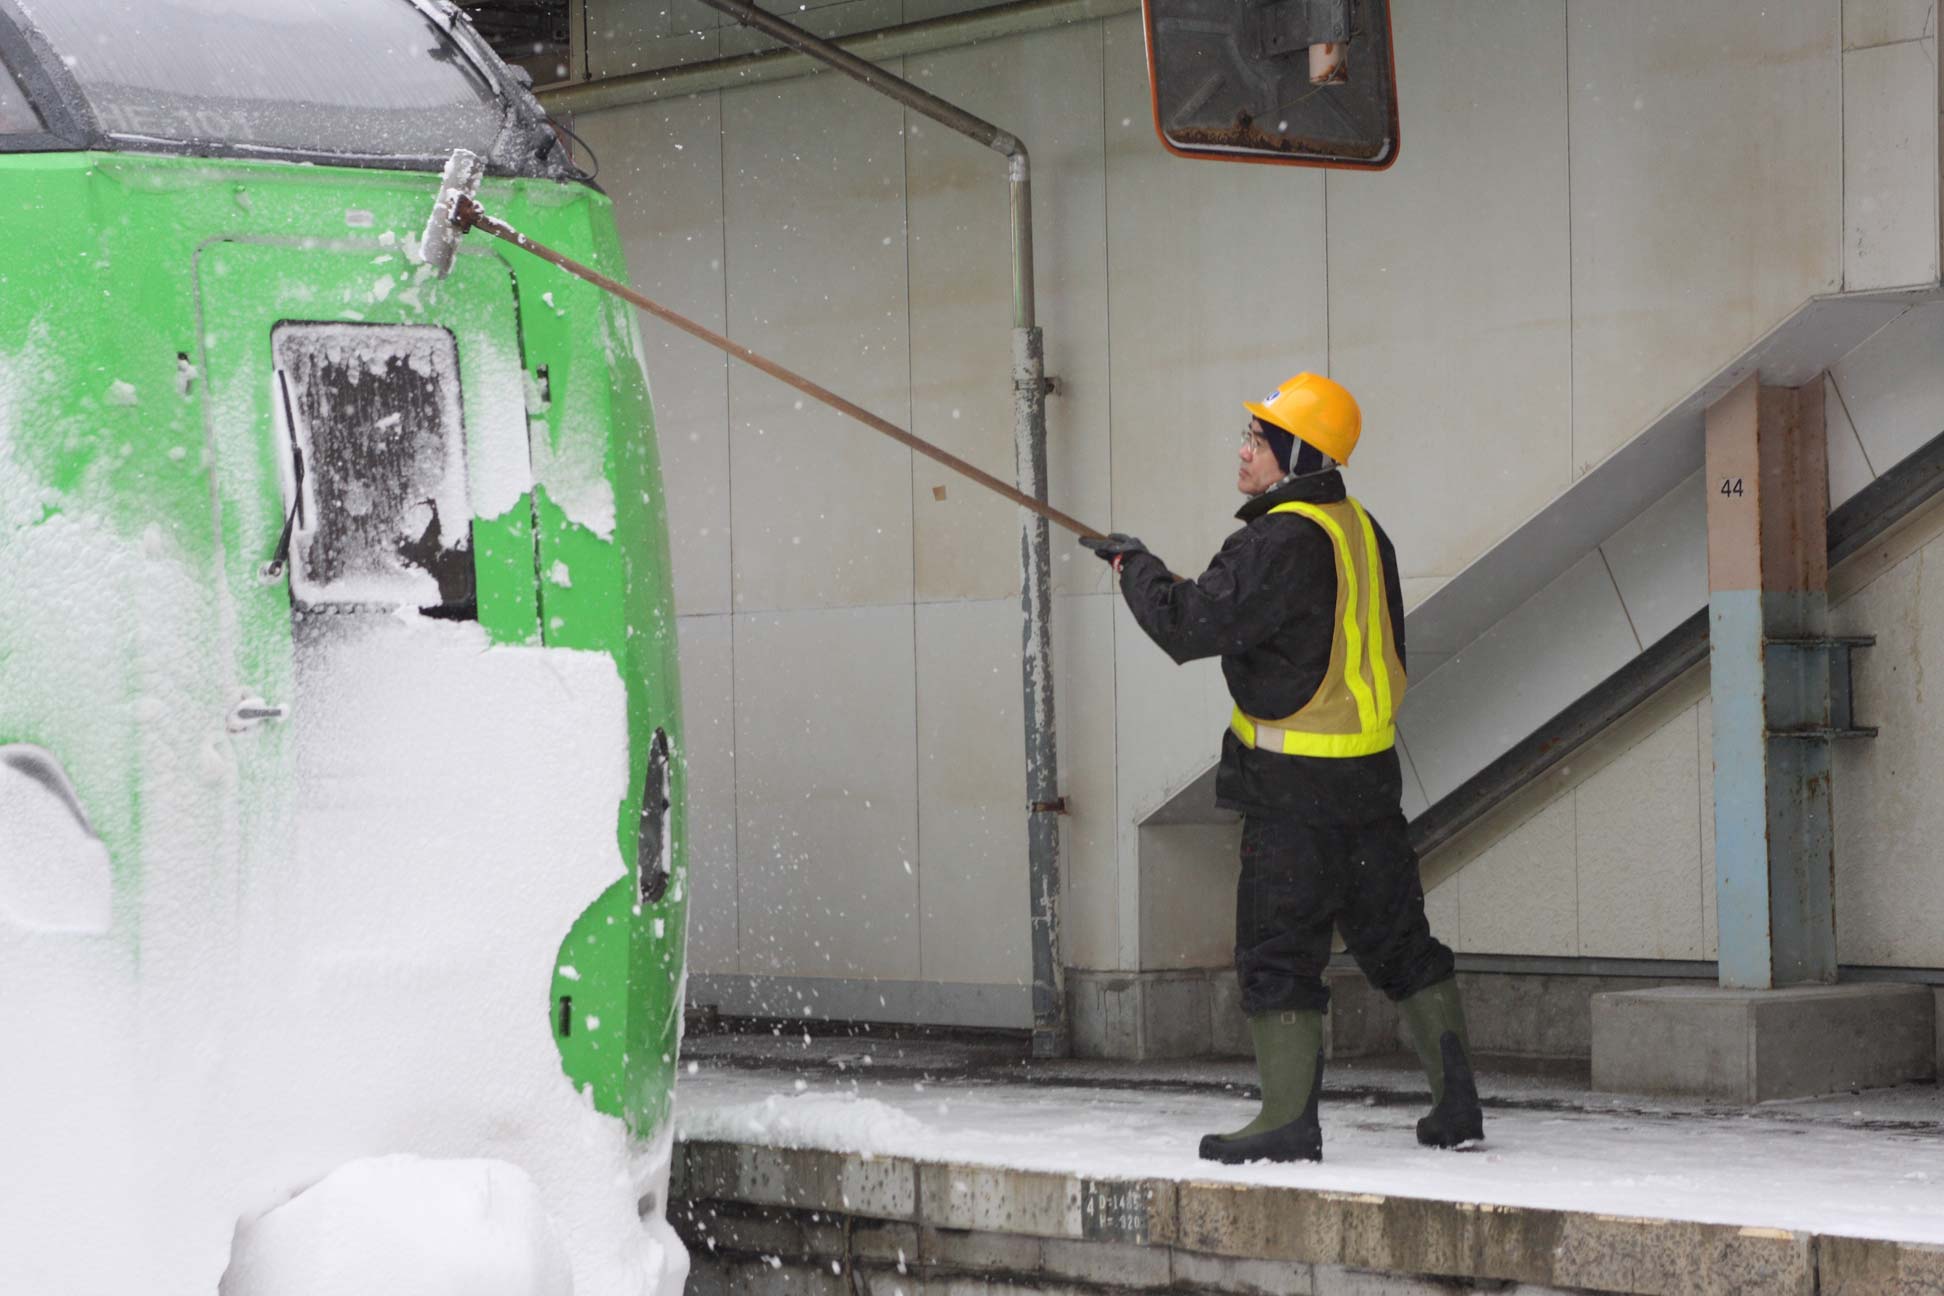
281, 558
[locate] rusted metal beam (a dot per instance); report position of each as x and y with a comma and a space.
1768, 611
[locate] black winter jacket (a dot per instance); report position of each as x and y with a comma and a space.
1266, 605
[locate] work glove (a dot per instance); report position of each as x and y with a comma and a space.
1115, 546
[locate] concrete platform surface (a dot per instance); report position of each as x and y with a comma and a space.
1571, 1190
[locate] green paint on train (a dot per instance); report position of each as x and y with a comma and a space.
215, 343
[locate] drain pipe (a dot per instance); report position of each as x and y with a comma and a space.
1044, 804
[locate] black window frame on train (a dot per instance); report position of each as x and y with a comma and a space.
50, 91
13, 99
525, 144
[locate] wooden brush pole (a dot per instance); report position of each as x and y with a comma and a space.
469, 213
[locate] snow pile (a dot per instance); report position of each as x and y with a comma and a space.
843, 1121
405, 1226
352, 963
411, 908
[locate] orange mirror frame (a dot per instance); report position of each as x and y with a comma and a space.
1288, 82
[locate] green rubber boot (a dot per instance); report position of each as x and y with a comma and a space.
1289, 1060
1436, 1017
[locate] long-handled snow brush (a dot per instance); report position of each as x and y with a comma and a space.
456, 210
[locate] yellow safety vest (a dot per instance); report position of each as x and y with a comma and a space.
1353, 712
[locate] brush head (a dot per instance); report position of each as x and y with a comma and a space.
444, 229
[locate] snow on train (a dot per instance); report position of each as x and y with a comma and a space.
340, 789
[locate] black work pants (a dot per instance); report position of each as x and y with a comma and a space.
1299, 880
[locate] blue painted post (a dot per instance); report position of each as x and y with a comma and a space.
1768, 507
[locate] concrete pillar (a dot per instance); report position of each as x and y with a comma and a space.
1777, 1026
1768, 576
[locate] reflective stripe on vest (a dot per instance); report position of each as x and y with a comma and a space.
1354, 709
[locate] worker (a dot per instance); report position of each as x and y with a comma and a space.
1302, 605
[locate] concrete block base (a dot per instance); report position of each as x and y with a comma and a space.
1197, 1012
758, 1219
1138, 1016
1192, 1012
1753, 1045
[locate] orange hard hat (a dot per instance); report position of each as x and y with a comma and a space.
1311, 408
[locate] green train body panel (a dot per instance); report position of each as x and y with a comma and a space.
139, 296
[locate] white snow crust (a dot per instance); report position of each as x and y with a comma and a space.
331, 936
1726, 1167
839, 1121
575, 471
575, 475
502, 462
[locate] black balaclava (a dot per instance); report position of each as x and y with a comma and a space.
1281, 443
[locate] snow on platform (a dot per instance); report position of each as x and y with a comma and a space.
1572, 1189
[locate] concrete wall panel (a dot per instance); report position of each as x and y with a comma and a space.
1414, 800
925, 10
1045, 90
692, 17
709, 766
626, 36
1889, 819
1561, 642
1883, 22
1890, 138
664, 163
816, 270
1443, 912
1450, 296
1640, 850
826, 18
827, 793
1659, 561
1520, 896
1893, 386
972, 794
1706, 193
1188, 875
1419, 588
1083, 657
1169, 729
1849, 468
1704, 762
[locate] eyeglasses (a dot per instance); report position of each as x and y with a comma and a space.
1253, 441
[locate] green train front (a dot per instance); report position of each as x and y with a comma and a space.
340, 775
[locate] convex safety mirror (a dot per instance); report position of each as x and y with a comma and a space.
1300, 82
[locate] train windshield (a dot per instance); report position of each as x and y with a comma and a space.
368, 78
